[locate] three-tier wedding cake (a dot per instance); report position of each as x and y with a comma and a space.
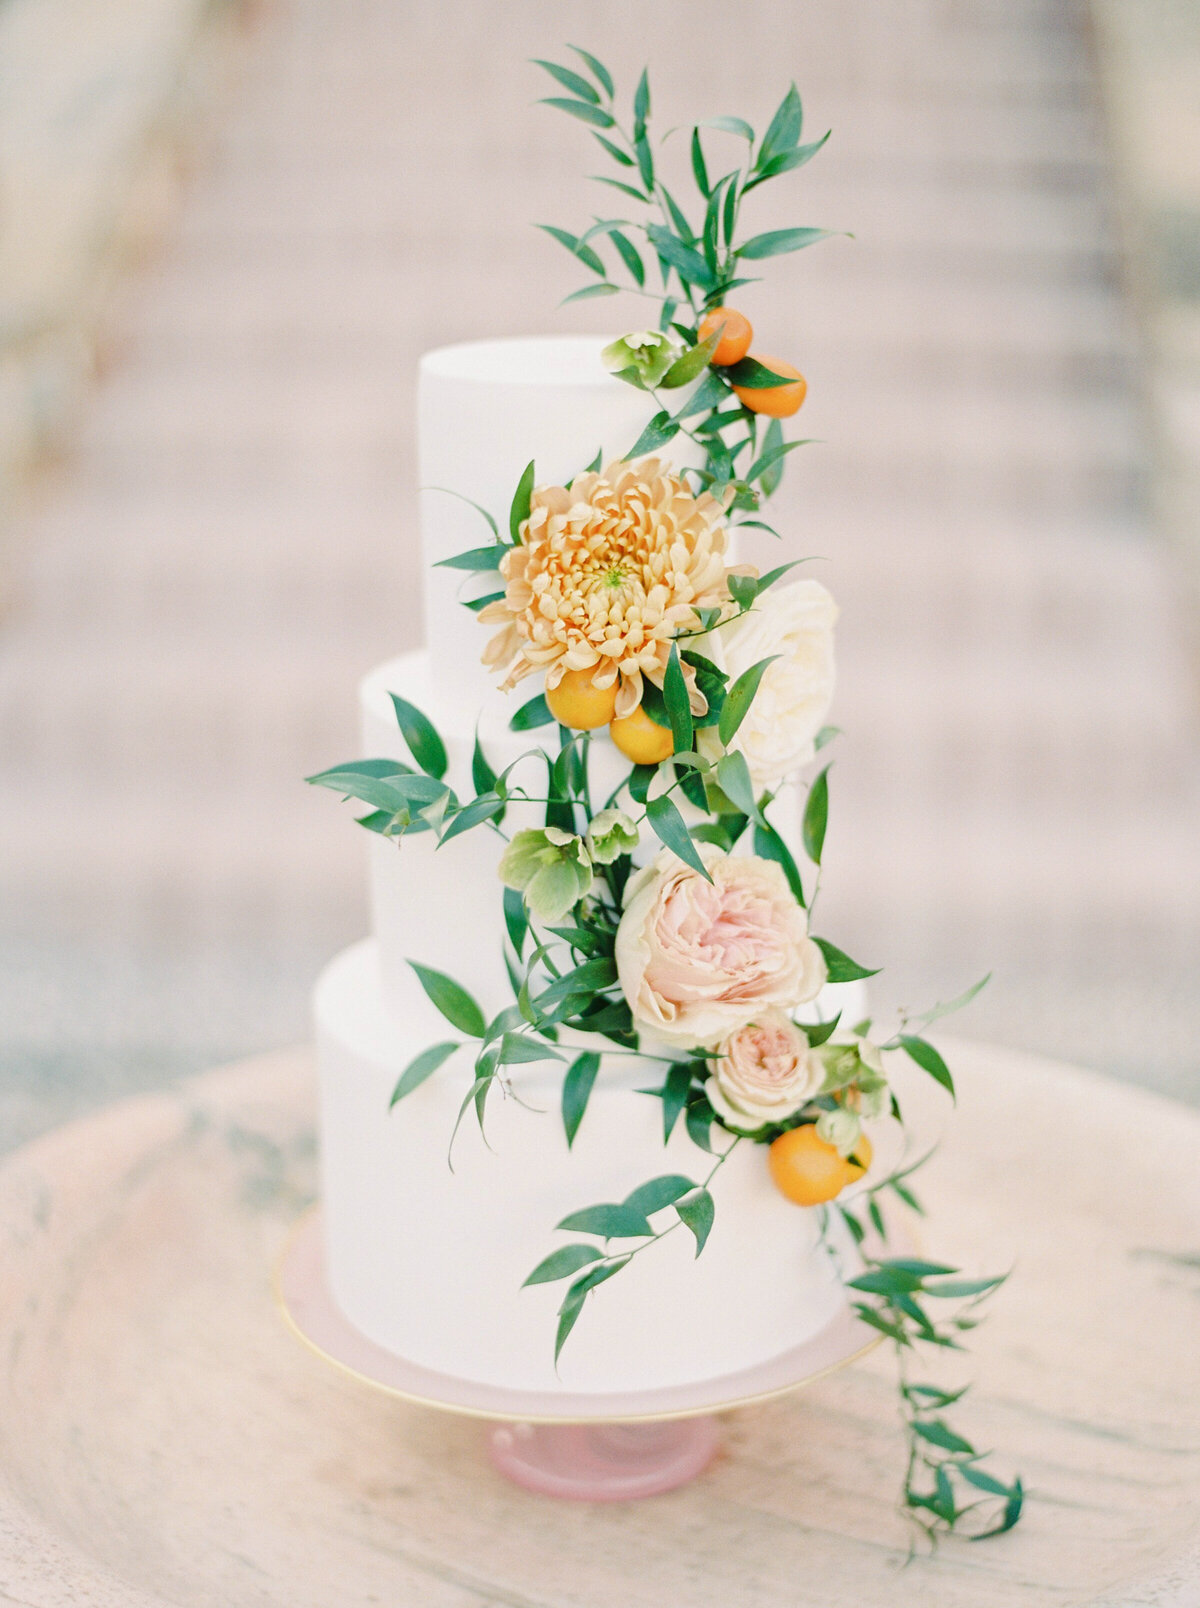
428, 1261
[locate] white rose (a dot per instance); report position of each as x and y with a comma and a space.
795, 620
698, 959
762, 1072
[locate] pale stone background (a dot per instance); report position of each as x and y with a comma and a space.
192, 594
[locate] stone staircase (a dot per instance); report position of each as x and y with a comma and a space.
234, 541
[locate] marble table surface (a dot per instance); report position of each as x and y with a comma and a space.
165, 1441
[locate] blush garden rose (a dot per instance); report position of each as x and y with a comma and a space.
697, 960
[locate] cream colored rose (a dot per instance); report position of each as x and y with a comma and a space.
697, 960
762, 1072
795, 620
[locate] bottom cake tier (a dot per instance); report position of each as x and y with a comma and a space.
427, 1250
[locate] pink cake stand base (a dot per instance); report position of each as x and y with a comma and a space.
613, 1447
604, 1462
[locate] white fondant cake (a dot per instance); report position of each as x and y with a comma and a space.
429, 1262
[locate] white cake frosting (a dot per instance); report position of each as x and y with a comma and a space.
429, 1262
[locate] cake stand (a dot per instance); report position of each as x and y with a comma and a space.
595, 1447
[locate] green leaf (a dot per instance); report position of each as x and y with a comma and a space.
669, 827
675, 1091
588, 291
962, 1287
614, 1220
577, 247
421, 1067
575, 82
531, 715
778, 241
577, 1089
452, 999
917, 1266
769, 467
645, 160
477, 604
928, 1059
739, 698
816, 817
690, 366
826, 735
743, 589
686, 261
421, 736
629, 255
515, 920
821, 1032
840, 968
768, 845
955, 1004
585, 979
568, 1313
983, 1481
675, 695
599, 70
731, 125
477, 558
699, 169
561, 1264
625, 189
753, 373
786, 161
659, 1193
517, 1047
1012, 1512
518, 512
661, 429
885, 1281
697, 1213
699, 1119
733, 778
711, 391
618, 155
583, 110
483, 776
770, 459
486, 807
938, 1433
783, 131
641, 102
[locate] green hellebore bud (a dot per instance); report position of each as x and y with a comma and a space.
610, 835
648, 352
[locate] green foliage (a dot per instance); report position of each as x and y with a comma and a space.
840, 967
671, 829
577, 1089
419, 732
816, 817
739, 698
452, 999
518, 512
421, 1067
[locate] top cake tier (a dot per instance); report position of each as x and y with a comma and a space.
485, 408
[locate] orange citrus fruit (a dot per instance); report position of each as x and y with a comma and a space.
576, 703
809, 1171
736, 335
779, 401
641, 739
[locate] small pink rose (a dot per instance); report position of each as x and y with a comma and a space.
762, 1072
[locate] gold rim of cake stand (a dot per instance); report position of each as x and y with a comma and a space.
499, 1415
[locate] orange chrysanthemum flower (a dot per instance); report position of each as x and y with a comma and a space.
607, 573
